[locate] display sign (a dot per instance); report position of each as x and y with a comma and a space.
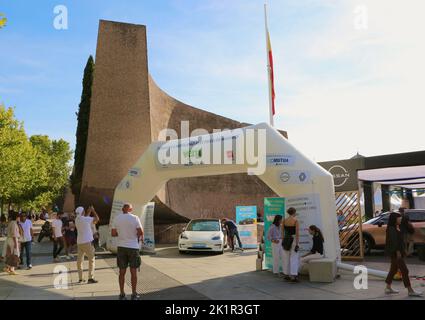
146, 219
344, 173
294, 177
215, 148
272, 207
246, 219
280, 160
308, 213
134, 172
115, 210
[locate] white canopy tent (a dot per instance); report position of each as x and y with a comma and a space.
395, 175
408, 177
291, 175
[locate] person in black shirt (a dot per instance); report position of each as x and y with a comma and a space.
395, 248
232, 231
316, 251
407, 230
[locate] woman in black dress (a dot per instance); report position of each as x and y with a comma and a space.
395, 248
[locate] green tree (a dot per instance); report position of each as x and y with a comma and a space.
33, 172
3, 20
53, 158
17, 158
83, 116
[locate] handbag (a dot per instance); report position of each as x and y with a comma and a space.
13, 260
287, 243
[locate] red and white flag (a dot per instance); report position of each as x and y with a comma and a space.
270, 71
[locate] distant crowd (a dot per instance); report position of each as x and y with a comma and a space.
75, 232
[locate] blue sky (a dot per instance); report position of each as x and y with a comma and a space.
338, 88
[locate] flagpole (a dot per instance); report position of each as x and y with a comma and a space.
268, 70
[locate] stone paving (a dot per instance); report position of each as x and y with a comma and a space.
172, 276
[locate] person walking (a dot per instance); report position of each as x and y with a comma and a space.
275, 236
316, 251
27, 237
57, 236
291, 246
12, 247
65, 225
232, 232
70, 238
84, 223
394, 247
341, 219
3, 225
129, 232
407, 230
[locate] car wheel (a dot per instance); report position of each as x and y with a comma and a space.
367, 245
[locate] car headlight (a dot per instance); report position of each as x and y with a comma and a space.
183, 236
216, 238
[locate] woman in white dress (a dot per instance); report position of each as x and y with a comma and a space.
12, 249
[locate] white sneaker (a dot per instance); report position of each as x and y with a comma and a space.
415, 294
391, 291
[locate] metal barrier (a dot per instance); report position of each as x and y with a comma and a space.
350, 225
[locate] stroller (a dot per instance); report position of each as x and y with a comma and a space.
46, 231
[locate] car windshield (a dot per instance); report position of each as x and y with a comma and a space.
383, 217
203, 225
371, 221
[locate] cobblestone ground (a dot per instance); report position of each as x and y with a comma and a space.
153, 284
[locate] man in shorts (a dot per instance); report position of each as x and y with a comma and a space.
129, 231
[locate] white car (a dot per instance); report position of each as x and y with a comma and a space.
202, 235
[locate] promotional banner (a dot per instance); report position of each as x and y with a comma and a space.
272, 207
115, 210
146, 219
246, 219
308, 213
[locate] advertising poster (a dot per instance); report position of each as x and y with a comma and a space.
148, 227
308, 213
272, 207
246, 219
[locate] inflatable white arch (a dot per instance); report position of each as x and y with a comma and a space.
258, 149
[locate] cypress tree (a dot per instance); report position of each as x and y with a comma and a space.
83, 116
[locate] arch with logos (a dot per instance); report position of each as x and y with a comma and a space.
257, 150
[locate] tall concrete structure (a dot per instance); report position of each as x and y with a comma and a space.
128, 110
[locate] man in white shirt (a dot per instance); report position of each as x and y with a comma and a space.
28, 233
84, 223
129, 230
57, 236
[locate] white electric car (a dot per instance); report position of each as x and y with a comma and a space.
202, 235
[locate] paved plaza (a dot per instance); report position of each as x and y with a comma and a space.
169, 275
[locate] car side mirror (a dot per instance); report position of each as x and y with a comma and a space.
183, 229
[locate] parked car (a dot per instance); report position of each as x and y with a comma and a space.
374, 231
202, 235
